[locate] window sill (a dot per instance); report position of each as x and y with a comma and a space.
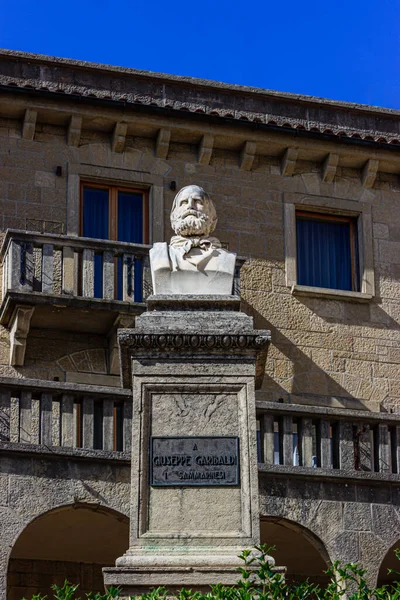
316, 292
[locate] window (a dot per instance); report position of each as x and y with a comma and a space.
328, 247
327, 251
114, 213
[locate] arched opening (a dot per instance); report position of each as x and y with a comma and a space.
73, 542
299, 550
389, 562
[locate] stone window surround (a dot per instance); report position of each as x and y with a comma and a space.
115, 176
330, 206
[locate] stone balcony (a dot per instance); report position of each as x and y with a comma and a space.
294, 440
63, 419
328, 442
70, 283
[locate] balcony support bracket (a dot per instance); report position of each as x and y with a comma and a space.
19, 329
121, 322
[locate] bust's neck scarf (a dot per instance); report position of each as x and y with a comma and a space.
180, 246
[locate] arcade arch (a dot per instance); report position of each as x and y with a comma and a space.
297, 548
389, 562
71, 542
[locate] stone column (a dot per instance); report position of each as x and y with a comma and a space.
193, 363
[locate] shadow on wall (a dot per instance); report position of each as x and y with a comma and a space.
351, 313
72, 542
306, 379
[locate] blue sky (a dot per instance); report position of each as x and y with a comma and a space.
344, 50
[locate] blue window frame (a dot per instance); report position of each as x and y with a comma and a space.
327, 251
115, 213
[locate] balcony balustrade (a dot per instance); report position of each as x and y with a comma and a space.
89, 421
59, 268
41, 416
327, 441
70, 283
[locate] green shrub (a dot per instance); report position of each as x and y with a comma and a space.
260, 581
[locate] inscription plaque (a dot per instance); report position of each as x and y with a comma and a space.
185, 461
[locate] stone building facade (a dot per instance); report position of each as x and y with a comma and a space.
329, 444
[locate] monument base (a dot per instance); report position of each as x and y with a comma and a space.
140, 580
173, 571
193, 364
191, 572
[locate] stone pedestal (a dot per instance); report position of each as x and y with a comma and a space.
193, 363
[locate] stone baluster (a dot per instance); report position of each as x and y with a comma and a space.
5, 410
128, 277
286, 440
346, 445
4, 281
25, 417
147, 284
46, 406
68, 423
77, 419
383, 462
108, 275
88, 273
14, 266
14, 418
396, 449
27, 266
364, 448
56, 422
324, 444
267, 438
69, 271
35, 421
87, 423
305, 442
127, 426
108, 424
47, 268
37, 268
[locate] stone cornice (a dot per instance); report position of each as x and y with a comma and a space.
145, 345
33, 73
193, 341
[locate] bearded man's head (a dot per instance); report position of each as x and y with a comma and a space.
193, 213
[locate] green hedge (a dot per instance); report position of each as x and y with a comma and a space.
259, 581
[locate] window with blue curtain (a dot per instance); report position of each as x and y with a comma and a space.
116, 214
96, 225
327, 252
130, 229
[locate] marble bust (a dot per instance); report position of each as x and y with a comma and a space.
193, 262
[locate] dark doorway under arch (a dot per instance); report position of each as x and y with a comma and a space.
72, 542
389, 562
300, 551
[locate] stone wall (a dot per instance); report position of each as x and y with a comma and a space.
321, 347
325, 351
355, 521
31, 486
